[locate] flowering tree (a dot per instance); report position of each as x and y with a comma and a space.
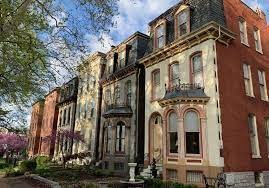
11, 143
67, 135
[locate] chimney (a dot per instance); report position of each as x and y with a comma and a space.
261, 14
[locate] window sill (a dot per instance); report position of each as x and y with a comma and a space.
265, 100
259, 185
252, 96
256, 157
155, 100
259, 51
245, 44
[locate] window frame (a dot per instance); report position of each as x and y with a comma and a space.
122, 60
243, 33
266, 126
169, 132
171, 76
128, 92
255, 136
258, 45
117, 95
176, 18
122, 138
154, 87
200, 135
249, 80
262, 85
156, 37
201, 70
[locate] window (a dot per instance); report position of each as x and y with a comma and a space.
192, 132
64, 119
267, 134
243, 31
120, 137
253, 136
160, 40
197, 70
129, 92
121, 59
78, 110
109, 139
110, 66
257, 39
60, 118
118, 166
92, 108
155, 84
108, 97
171, 174
85, 109
258, 179
117, 95
174, 74
173, 136
194, 177
248, 80
262, 84
68, 115
182, 23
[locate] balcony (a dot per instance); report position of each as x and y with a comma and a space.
184, 93
118, 110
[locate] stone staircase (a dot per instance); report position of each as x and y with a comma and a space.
146, 173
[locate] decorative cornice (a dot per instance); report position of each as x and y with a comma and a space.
180, 100
212, 30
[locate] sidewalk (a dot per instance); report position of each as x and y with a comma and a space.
16, 182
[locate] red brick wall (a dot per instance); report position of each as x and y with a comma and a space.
235, 105
49, 123
35, 128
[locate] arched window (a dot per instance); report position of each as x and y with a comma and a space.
120, 137
192, 132
173, 130
155, 84
128, 88
197, 70
174, 74
108, 96
160, 36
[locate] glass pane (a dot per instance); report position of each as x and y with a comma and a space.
161, 41
175, 71
192, 143
191, 122
173, 142
118, 131
182, 29
262, 91
122, 145
173, 122
261, 80
197, 63
160, 31
123, 132
118, 145
198, 78
156, 78
251, 125
182, 17
246, 71
247, 86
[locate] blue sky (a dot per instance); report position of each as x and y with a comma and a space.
134, 15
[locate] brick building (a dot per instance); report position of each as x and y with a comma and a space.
205, 93
35, 128
49, 123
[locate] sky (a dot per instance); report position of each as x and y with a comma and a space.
134, 15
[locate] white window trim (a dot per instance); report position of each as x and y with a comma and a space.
258, 155
250, 80
259, 40
245, 32
265, 85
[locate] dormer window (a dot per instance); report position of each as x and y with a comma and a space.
160, 40
182, 23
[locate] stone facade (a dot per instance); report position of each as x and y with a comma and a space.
49, 124
66, 118
122, 107
87, 114
35, 128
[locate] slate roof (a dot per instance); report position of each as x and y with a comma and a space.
191, 93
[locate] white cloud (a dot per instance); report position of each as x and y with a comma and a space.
102, 44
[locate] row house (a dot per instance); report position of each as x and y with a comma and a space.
66, 118
122, 117
206, 99
88, 99
35, 128
49, 123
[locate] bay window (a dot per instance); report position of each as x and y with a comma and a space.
192, 132
173, 133
197, 70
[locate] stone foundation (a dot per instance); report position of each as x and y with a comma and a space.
266, 178
240, 179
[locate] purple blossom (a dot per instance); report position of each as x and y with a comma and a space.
11, 142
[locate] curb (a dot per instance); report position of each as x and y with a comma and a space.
52, 184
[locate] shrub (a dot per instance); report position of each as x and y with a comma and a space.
42, 161
3, 165
11, 172
28, 165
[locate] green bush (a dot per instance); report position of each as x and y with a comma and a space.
11, 172
3, 165
42, 162
28, 165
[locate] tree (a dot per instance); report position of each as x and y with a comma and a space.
65, 136
41, 40
11, 143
